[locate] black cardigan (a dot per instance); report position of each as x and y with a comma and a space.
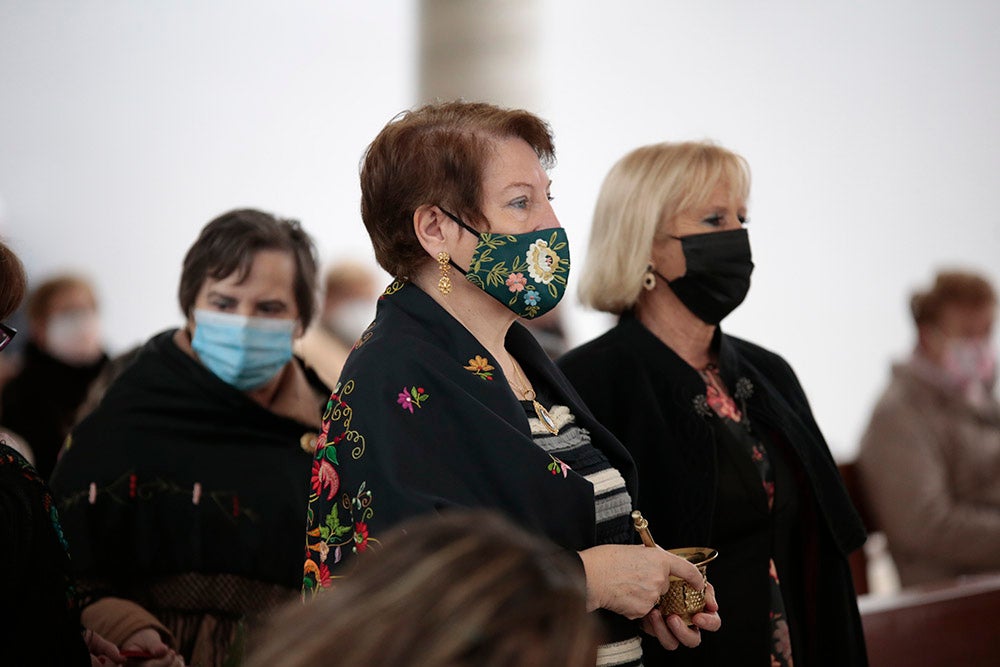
654, 403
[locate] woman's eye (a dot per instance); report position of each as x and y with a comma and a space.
272, 308
744, 220
714, 220
520, 202
223, 304
549, 197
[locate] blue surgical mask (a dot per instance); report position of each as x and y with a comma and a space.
243, 351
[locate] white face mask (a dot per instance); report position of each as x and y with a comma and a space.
74, 337
350, 319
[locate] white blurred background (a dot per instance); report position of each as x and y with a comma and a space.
871, 130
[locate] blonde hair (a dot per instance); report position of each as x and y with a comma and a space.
461, 589
644, 189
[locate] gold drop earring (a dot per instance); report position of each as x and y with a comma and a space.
444, 282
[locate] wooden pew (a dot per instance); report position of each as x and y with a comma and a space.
951, 624
858, 560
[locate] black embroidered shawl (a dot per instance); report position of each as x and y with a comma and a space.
176, 471
423, 420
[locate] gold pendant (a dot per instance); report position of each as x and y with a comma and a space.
545, 418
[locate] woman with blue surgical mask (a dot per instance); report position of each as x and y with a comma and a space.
184, 489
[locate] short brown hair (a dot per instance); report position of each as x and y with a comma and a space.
951, 288
13, 282
230, 242
40, 301
463, 589
436, 154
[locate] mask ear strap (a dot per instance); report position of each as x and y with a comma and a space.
460, 223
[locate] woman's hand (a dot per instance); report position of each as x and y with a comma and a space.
673, 632
629, 580
149, 640
102, 652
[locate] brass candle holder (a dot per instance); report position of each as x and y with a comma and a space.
681, 597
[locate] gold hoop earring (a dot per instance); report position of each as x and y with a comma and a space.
649, 279
444, 282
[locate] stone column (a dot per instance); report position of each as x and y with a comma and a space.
480, 50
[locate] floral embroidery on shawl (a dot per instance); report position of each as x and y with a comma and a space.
558, 466
412, 396
335, 523
394, 287
480, 367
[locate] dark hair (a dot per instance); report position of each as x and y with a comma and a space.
13, 282
40, 301
951, 288
463, 589
436, 154
229, 244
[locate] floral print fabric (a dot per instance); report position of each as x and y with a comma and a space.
724, 407
530, 282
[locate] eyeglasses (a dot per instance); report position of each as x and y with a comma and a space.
6, 335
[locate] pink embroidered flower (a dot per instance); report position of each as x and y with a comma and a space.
516, 282
757, 455
196, 493
324, 476
769, 490
414, 396
404, 400
321, 438
92, 493
360, 537
324, 551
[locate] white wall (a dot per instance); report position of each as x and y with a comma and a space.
126, 126
871, 129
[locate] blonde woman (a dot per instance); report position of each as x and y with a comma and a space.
719, 428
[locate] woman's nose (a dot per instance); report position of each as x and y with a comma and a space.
548, 219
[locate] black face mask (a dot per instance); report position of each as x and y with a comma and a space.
718, 273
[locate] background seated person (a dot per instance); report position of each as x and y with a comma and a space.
930, 458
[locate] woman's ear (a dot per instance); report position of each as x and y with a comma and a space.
428, 225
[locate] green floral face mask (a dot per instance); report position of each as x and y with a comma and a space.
525, 272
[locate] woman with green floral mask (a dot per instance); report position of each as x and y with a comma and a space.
448, 401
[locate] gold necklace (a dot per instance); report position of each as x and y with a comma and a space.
529, 395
